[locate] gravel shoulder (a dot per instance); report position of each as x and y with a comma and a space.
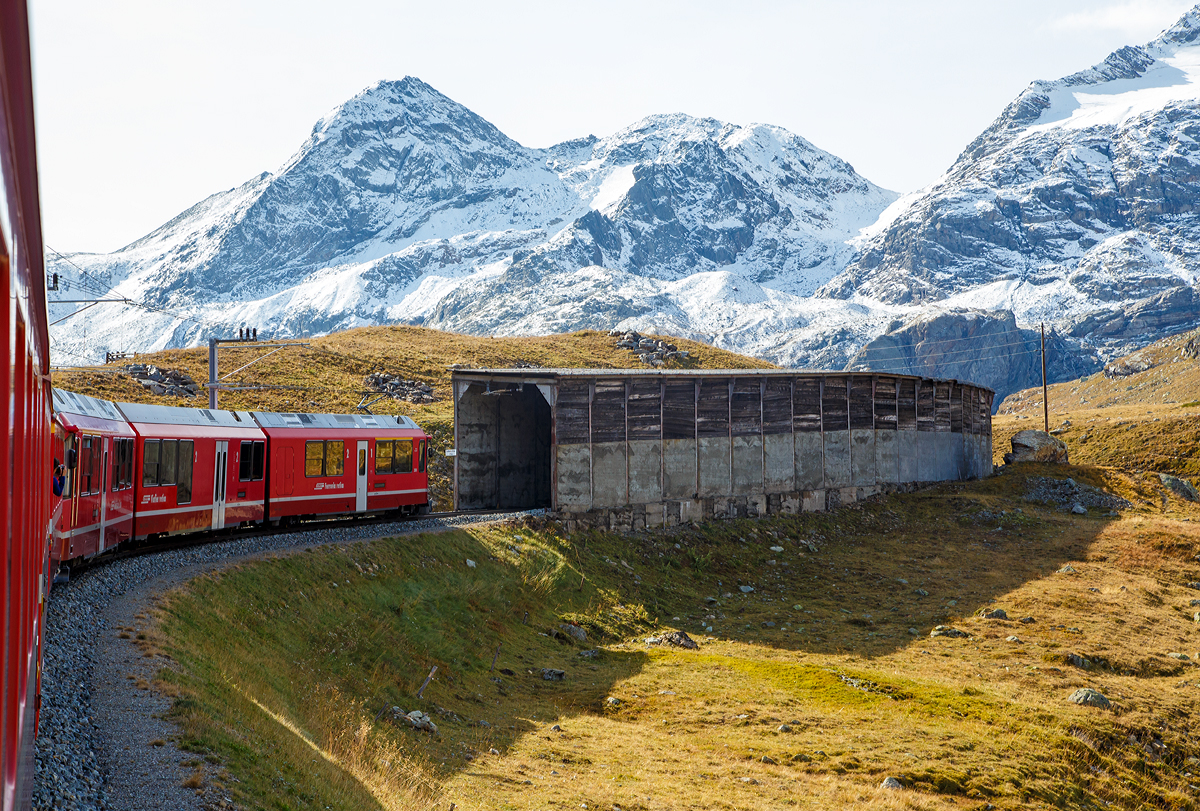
98, 744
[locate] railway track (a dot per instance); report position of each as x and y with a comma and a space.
132, 549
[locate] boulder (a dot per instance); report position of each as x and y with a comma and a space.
1036, 446
1088, 697
946, 630
1180, 487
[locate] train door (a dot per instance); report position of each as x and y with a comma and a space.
219, 469
103, 490
360, 501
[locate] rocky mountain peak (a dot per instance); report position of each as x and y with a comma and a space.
1184, 32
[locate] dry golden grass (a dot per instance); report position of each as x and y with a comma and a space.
961, 722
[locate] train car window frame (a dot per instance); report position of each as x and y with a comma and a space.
245, 460
183, 485
258, 466
403, 463
423, 455
68, 446
335, 450
383, 461
85, 465
314, 459
150, 463
129, 443
167, 458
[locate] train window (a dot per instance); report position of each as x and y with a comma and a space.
245, 460
314, 459
259, 466
115, 477
150, 463
423, 454
183, 489
383, 457
166, 461
128, 463
335, 458
402, 463
68, 448
85, 464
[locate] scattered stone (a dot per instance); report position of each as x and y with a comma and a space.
650, 351
678, 639
784, 728
493, 751
768, 624
589, 654
711, 600
914, 632
550, 674
1075, 660
397, 388
1088, 697
574, 631
470, 563
776, 548
1183, 657
947, 631
1194, 603
1036, 446
1180, 487
891, 782
613, 701
506, 672
994, 614
1194, 585
416, 718
801, 758
556, 728
746, 589
1014, 639
163, 381
1078, 509
1068, 569
1027, 620
921, 592
769, 760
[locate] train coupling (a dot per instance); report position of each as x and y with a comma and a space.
62, 577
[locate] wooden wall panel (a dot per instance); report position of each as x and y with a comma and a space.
679, 410
835, 405
806, 405
906, 405
645, 408
572, 425
777, 406
608, 411
941, 407
926, 415
862, 403
885, 403
747, 407
712, 409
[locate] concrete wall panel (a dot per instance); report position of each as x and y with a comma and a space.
645, 471
574, 470
887, 470
927, 461
837, 459
906, 453
713, 463
679, 468
810, 461
609, 471
747, 465
478, 423
862, 457
779, 463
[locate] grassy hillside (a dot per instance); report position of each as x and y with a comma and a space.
327, 375
1146, 420
806, 692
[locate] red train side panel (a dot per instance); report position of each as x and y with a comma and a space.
25, 459
328, 464
96, 509
195, 469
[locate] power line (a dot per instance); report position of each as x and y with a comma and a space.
939, 354
89, 279
921, 362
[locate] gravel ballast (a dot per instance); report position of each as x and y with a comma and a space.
93, 749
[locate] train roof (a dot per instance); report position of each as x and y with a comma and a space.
369, 422
69, 402
173, 415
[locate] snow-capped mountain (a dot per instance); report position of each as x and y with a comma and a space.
1077, 206
403, 205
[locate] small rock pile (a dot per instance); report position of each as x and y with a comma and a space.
1066, 494
1036, 446
414, 391
170, 382
1127, 366
650, 351
416, 719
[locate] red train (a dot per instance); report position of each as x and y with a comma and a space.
25, 461
137, 472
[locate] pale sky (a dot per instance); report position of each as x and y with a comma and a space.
145, 107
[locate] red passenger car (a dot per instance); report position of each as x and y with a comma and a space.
196, 469
25, 453
96, 509
324, 464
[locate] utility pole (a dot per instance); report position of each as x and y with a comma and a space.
248, 338
1045, 399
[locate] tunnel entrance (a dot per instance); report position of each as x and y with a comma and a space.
503, 447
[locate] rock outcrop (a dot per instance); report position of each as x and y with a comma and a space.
1036, 446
